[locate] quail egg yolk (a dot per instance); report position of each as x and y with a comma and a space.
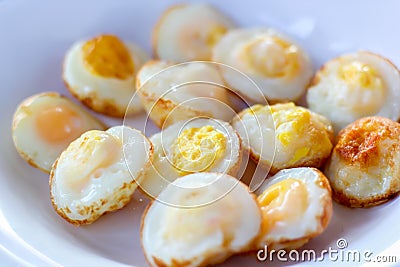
359, 74
108, 57
192, 225
215, 34
95, 154
283, 202
58, 124
272, 57
298, 117
197, 149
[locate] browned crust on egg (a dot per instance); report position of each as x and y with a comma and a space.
323, 220
24, 111
122, 201
210, 258
358, 144
154, 36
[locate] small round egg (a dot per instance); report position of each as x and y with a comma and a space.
189, 32
296, 205
45, 124
100, 72
98, 173
364, 169
353, 86
186, 147
170, 93
227, 223
272, 60
284, 136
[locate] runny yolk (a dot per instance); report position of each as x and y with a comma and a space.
360, 74
59, 124
283, 202
272, 57
107, 56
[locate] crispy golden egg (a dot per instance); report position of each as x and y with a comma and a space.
189, 32
187, 147
101, 72
364, 169
45, 124
98, 173
353, 86
277, 65
296, 205
284, 136
214, 217
171, 93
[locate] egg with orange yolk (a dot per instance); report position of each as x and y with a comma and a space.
353, 86
45, 124
279, 66
189, 32
284, 136
171, 93
98, 173
213, 217
296, 205
101, 71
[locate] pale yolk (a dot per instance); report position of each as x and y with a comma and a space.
108, 57
215, 34
360, 74
197, 149
95, 154
272, 57
283, 202
59, 124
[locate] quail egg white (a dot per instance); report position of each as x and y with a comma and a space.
98, 173
353, 86
194, 146
45, 124
215, 217
296, 205
170, 93
284, 136
364, 169
100, 72
277, 65
189, 32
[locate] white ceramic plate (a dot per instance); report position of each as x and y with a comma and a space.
33, 39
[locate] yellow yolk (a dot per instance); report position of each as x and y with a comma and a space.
360, 74
197, 149
108, 57
59, 124
215, 34
283, 202
272, 57
95, 153
299, 119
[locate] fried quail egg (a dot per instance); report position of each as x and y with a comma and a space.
45, 124
296, 205
101, 71
189, 32
227, 222
284, 136
277, 65
364, 169
170, 93
356, 85
194, 146
98, 173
